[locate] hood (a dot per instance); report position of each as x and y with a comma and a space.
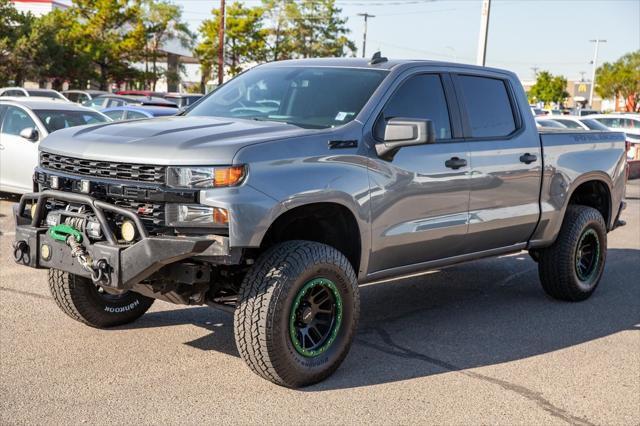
167, 140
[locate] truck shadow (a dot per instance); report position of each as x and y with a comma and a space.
471, 315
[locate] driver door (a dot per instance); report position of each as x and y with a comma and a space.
18, 156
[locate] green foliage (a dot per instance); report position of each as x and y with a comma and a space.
548, 88
15, 29
621, 78
280, 29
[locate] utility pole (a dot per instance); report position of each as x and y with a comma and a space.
221, 45
535, 72
484, 33
593, 71
364, 38
582, 73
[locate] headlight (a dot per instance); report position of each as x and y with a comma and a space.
195, 215
205, 177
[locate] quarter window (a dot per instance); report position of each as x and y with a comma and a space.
488, 106
422, 97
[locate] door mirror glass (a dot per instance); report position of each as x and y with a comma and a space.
30, 134
401, 132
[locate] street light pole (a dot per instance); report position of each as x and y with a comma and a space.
364, 38
484, 32
221, 45
593, 71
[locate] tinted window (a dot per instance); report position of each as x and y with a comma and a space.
594, 125
94, 103
114, 115
13, 93
311, 97
115, 103
45, 93
132, 115
73, 97
15, 121
488, 106
422, 96
59, 119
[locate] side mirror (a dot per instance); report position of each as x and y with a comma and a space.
30, 134
401, 132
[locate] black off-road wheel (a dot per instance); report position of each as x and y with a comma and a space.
571, 268
83, 301
297, 313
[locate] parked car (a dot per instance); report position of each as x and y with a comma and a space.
183, 100
24, 122
575, 122
40, 93
133, 112
551, 124
280, 192
82, 96
584, 112
112, 101
630, 124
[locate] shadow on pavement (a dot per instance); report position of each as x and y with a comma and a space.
471, 315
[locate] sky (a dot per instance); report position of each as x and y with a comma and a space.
549, 35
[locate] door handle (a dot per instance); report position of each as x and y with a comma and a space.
455, 163
528, 158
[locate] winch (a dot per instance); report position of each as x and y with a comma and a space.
73, 238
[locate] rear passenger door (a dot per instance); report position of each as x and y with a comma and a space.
505, 166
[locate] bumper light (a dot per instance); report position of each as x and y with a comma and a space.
128, 231
191, 215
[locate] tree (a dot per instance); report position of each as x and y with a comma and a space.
162, 22
99, 30
548, 88
15, 27
280, 16
245, 39
621, 78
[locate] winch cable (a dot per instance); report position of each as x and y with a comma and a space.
73, 238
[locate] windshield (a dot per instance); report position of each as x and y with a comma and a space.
310, 97
594, 125
59, 119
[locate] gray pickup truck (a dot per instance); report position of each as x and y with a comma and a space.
281, 191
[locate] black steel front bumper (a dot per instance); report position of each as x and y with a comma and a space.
127, 264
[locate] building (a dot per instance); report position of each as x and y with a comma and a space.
39, 7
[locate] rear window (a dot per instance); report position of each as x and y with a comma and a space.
59, 119
488, 106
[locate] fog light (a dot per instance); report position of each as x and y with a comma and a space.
85, 186
54, 182
45, 252
128, 231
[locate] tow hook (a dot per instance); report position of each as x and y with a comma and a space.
21, 252
73, 238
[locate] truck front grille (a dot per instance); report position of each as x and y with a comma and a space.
104, 169
151, 214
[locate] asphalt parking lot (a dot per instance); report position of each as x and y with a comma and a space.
477, 343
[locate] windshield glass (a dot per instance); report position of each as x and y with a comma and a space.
59, 119
45, 94
594, 125
310, 97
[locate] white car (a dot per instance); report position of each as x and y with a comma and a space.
24, 122
578, 122
39, 93
630, 124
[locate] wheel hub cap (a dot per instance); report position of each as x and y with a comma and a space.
587, 255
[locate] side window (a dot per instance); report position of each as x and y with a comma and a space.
73, 97
134, 115
488, 106
421, 96
16, 120
114, 115
114, 103
570, 124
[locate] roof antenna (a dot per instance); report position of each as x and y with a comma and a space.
377, 58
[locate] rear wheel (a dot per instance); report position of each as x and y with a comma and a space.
572, 267
297, 313
83, 301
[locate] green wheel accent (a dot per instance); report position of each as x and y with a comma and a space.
315, 318
587, 255
63, 231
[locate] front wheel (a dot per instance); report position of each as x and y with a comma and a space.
572, 267
297, 313
83, 301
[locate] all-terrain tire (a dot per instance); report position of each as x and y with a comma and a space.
265, 320
559, 268
80, 299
